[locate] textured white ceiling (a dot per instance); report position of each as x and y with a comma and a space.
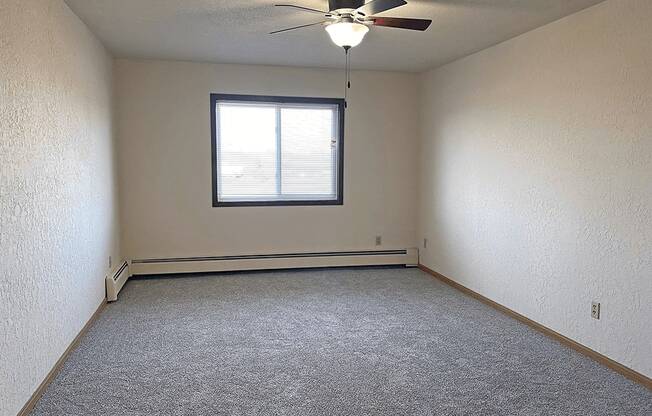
236, 31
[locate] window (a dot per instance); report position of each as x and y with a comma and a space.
277, 150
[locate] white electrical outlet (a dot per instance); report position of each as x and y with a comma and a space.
379, 240
110, 262
595, 310
425, 243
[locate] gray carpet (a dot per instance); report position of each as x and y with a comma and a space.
325, 342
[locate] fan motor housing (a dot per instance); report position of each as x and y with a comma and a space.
334, 5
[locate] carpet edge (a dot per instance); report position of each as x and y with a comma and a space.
623, 370
36, 396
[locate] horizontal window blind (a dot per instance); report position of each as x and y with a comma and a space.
247, 151
308, 156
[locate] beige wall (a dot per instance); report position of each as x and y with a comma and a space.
165, 162
58, 208
536, 176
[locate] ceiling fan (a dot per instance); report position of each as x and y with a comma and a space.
347, 21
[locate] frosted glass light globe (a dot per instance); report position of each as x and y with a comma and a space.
347, 34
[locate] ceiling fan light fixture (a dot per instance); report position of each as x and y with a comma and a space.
347, 34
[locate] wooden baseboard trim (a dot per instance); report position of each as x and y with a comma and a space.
29, 406
596, 356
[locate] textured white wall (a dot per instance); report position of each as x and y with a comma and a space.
58, 221
536, 176
165, 162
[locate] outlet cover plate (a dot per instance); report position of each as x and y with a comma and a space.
595, 310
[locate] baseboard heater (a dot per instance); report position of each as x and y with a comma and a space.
407, 257
115, 283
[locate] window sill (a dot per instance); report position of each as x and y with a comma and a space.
220, 204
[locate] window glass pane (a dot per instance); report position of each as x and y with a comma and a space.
247, 151
307, 152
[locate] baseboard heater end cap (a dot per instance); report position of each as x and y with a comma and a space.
116, 282
412, 257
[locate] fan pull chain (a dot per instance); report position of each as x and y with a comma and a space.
348, 72
347, 69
